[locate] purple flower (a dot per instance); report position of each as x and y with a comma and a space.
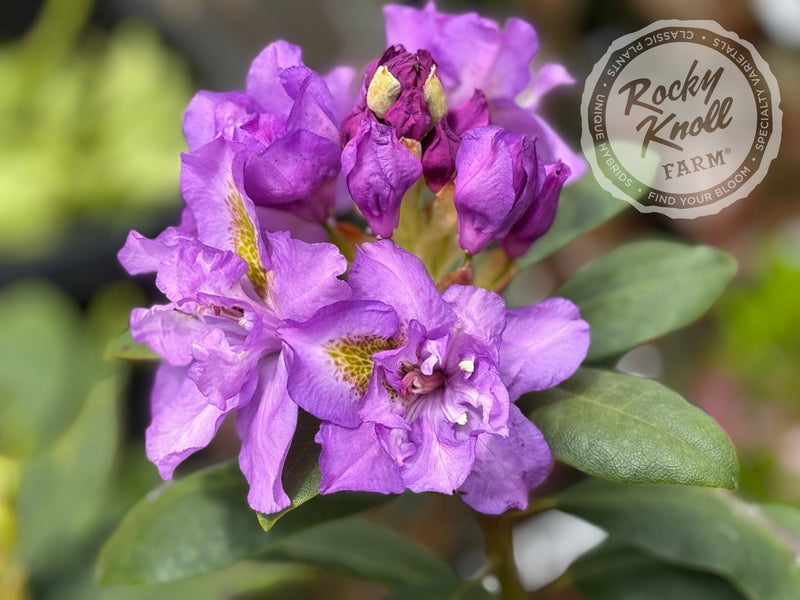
503, 190
415, 387
286, 130
472, 53
229, 287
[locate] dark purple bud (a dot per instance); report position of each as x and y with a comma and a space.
439, 150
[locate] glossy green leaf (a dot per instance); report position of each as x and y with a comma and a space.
364, 550
708, 530
202, 523
197, 524
627, 428
582, 207
624, 573
643, 290
125, 347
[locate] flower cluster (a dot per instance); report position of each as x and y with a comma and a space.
410, 368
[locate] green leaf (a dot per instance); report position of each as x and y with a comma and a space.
462, 590
195, 525
62, 489
202, 523
703, 529
40, 343
611, 572
355, 547
582, 206
627, 428
643, 290
125, 347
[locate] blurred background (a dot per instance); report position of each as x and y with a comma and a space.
91, 99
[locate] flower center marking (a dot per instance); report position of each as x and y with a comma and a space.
245, 240
352, 357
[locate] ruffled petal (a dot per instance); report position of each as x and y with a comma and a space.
481, 313
143, 255
542, 346
183, 420
330, 357
263, 79
266, 427
306, 276
210, 114
507, 468
355, 460
168, 332
385, 272
379, 170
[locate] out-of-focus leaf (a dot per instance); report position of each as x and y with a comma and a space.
62, 488
125, 347
702, 529
582, 206
627, 428
462, 590
643, 290
38, 339
623, 573
355, 547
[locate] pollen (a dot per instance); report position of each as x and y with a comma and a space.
352, 358
245, 241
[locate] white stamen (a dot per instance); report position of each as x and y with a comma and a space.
467, 365
462, 419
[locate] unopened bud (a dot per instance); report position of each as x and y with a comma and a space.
383, 92
434, 96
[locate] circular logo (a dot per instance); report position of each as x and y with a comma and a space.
681, 118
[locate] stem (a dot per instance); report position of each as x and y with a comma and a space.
500, 555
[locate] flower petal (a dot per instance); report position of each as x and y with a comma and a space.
507, 468
263, 80
306, 276
379, 170
330, 357
385, 272
183, 420
353, 459
169, 332
542, 346
210, 114
266, 427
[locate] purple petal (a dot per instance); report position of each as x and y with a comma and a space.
340, 84
143, 255
385, 272
439, 156
506, 469
549, 145
353, 459
542, 346
266, 426
210, 114
549, 77
540, 214
484, 186
167, 331
306, 276
183, 420
194, 268
379, 170
471, 113
263, 80
292, 167
481, 313
330, 357
273, 220
441, 459
225, 216
313, 106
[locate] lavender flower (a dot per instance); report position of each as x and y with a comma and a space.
229, 287
415, 387
503, 191
285, 127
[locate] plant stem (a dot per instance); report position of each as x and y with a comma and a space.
500, 555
